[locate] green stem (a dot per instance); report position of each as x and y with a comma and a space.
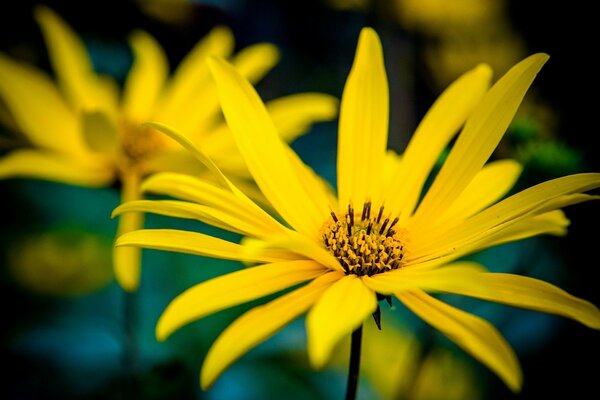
354, 365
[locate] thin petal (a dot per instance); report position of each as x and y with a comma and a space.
146, 77
54, 167
408, 278
550, 223
489, 185
193, 189
127, 260
475, 335
232, 289
259, 324
193, 73
264, 151
342, 308
199, 244
69, 59
544, 197
525, 292
38, 108
187, 210
254, 62
480, 136
437, 128
294, 114
363, 126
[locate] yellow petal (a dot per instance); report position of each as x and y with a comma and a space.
192, 74
100, 132
254, 62
549, 223
127, 260
192, 189
264, 151
199, 244
540, 198
232, 289
145, 79
259, 324
183, 209
294, 114
307, 247
38, 108
439, 125
409, 278
480, 136
54, 167
363, 126
475, 335
69, 59
342, 308
489, 185
525, 292
221, 179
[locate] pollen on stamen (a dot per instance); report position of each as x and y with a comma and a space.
363, 244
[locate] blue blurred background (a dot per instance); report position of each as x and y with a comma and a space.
85, 339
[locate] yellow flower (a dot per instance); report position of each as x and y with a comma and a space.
81, 131
375, 236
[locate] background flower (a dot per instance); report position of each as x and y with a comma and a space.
317, 45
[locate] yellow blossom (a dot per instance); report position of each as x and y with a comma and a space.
82, 131
378, 235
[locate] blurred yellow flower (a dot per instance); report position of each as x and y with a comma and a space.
81, 131
376, 236
398, 366
62, 261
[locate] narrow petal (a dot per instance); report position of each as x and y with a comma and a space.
363, 126
408, 278
488, 186
473, 334
259, 324
146, 77
294, 114
187, 210
54, 167
193, 73
232, 289
217, 174
127, 260
264, 151
525, 292
437, 128
469, 279
37, 107
480, 136
307, 247
70, 60
340, 310
538, 199
254, 62
199, 244
550, 223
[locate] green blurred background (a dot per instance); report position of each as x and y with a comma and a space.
69, 332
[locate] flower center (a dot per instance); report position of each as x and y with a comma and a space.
140, 141
365, 244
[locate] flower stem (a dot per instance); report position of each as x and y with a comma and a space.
354, 365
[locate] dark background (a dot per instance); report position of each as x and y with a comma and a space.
317, 45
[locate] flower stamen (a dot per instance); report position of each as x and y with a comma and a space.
365, 246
